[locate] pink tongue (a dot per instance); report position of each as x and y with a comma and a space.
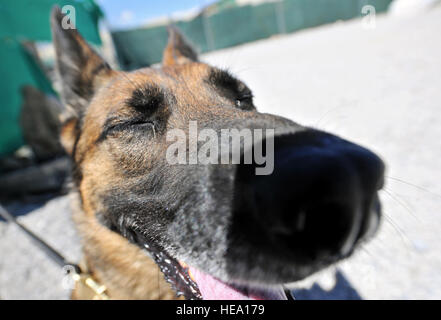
213, 289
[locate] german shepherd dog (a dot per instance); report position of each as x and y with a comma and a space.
216, 231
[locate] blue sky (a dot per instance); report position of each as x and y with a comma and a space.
130, 13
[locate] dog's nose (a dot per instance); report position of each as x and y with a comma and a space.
320, 199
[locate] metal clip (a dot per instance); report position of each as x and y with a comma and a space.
88, 288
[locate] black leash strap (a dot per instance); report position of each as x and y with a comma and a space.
51, 252
87, 286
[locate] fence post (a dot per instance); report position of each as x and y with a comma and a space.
280, 16
207, 31
361, 4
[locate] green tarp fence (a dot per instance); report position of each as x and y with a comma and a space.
236, 25
28, 20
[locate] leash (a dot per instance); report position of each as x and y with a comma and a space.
86, 285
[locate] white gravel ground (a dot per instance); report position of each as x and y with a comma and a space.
380, 88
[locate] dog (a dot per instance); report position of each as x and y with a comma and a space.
216, 231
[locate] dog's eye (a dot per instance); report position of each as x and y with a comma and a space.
143, 125
245, 102
139, 125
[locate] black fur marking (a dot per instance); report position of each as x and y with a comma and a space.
230, 87
146, 99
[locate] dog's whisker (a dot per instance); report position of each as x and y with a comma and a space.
326, 114
398, 200
367, 251
404, 238
241, 70
414, 185
404, 201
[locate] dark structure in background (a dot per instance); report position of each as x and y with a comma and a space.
32, 161
21, 23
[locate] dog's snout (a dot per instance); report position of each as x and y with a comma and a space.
320, 199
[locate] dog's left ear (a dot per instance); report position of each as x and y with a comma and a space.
178, 50
82, 71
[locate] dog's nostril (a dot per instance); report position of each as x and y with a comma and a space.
299, 224
319, 229
371, 218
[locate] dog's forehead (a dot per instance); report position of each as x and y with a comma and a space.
173, 77
179, 79
191, 90
183, 82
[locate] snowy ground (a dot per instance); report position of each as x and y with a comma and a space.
380, 88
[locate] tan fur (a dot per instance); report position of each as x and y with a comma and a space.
125, 270
67, 132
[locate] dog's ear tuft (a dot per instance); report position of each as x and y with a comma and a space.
178, 50
82, 71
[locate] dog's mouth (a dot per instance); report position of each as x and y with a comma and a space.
214, 289
175, 273
194, 284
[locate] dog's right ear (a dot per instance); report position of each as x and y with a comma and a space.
81, 70
178, 50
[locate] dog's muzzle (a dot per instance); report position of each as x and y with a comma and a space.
320, 200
